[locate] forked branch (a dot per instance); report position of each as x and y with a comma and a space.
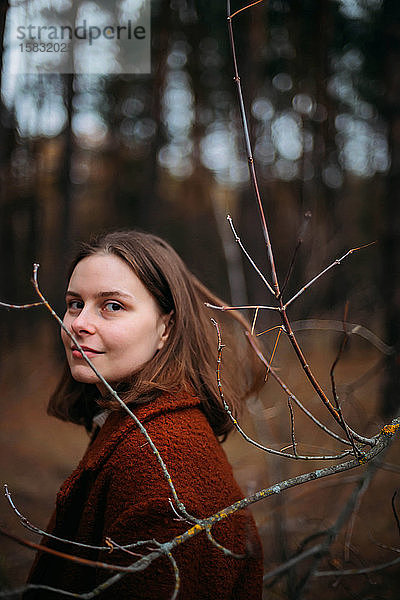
275, 284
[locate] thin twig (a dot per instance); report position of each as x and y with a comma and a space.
333, 384
342, 346
273, 353
245, 8
226, 551
247, 255
385, 546
356, 508
334, 264
71, 557
292, 426
267, 330
292, 396
352, 329
300, 239
112, 545
244, 307
286, 566
250, 159
28, 525
335, 529
363, 571
177, 515
238, 427
160, 547
254, 320
314, 382
396, 516
20, 306
321, 549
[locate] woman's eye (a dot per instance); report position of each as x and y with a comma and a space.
112, 307
75, 305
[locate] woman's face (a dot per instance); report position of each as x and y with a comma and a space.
113, 317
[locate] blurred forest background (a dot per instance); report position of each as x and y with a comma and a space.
164, 152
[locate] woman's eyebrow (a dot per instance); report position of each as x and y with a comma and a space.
118, 293
105, 294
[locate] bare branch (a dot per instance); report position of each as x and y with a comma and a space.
176, 574
334, 264
333, 384
245, 8
226, 551
300, 239
292, 426
85, 596
396, 516
349, 533
273, 351
163, 552
250, 158
314, 382
292, 396
247, 255
112, 545
352, 329
276, 290
254, 320
335, 529
286, 566
28, 525
20, 306
70, 557
240, 430
256, 306
363, 571
321, 549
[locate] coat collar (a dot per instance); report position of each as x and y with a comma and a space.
119, 424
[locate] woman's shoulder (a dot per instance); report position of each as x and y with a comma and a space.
174, 425
172, 420
168, 403
189, 449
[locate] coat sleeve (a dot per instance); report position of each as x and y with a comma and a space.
148, 522
205, 573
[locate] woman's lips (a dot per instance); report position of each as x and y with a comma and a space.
90, 352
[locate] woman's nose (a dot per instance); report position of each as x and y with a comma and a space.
83, 323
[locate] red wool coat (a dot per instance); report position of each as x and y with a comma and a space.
118, 491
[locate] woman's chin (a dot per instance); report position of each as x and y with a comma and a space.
83, 376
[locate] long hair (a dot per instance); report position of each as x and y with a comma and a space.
188, 358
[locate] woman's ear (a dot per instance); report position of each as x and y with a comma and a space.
167, 322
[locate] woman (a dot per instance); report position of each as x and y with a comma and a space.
140, 317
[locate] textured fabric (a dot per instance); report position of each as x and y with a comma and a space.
118, 491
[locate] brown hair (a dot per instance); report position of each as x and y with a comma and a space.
188, 359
